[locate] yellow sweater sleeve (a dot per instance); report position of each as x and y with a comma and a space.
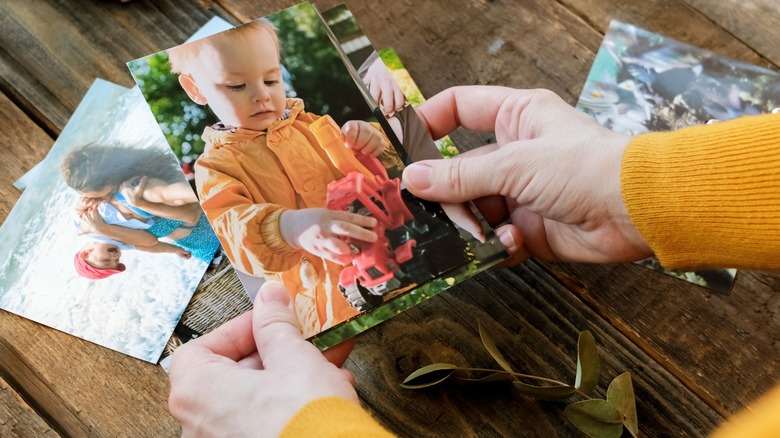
708, 196
333, 417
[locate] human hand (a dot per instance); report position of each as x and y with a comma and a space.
183, 253
384, 89
250, 376
554, 172
133, 190
319, 231
83, 204
361, 137
91, 221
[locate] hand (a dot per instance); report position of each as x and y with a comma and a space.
384, 89
91, 221
83, 204
319, 231
554, 172
361, 137
248, 378
183, 253
133, 190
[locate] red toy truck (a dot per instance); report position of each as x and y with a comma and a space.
397, 259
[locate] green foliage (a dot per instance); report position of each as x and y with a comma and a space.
588, 363
596, 418
181, 120
317, 73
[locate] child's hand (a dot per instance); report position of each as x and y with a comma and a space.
319, 231
183, 253
84, 204
384, 89
133, 190
361, 137
91, 222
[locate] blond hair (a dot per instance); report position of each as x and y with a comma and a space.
180, 57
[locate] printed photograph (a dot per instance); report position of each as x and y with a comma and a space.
641, 81
299, 174
111, 217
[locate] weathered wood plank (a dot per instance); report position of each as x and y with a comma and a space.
46, 68
17, 418
443, 44
535, 323
755, 22
725, 347
24, 145
744, 30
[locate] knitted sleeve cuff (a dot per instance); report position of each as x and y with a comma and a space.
708, 196
332, 417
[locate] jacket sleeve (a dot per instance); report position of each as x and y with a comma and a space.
333, 417
248, 228
708, 196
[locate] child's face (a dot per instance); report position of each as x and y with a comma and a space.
102, 255
240, 80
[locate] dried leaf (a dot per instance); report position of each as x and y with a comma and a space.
490, 345
429, 375
545, 392
596, 418
588, 363
620, 394
495, 377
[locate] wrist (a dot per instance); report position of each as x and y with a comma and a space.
619, 212
287, 230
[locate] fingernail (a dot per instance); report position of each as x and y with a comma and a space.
418, 176
274, 292
507, 239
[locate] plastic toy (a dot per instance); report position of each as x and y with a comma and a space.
397, 258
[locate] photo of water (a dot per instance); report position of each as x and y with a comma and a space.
133, 312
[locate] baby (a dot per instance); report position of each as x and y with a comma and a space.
107, 233
262, 179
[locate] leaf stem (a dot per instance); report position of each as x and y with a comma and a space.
526, 376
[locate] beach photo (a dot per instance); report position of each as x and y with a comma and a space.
107, 242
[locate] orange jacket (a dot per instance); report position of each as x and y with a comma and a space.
246, 179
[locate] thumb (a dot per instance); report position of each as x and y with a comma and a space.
275, 326
457, 179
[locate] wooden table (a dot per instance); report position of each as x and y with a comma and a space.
696, 357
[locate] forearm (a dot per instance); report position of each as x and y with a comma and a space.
129, 236
708, 196
159, 247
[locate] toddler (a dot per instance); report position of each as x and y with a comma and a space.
262, 178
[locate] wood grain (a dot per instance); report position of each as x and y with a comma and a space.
753, 22
24, 145
17, 418
726, 348
536, 322
46, 69
695, 356
676, 19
